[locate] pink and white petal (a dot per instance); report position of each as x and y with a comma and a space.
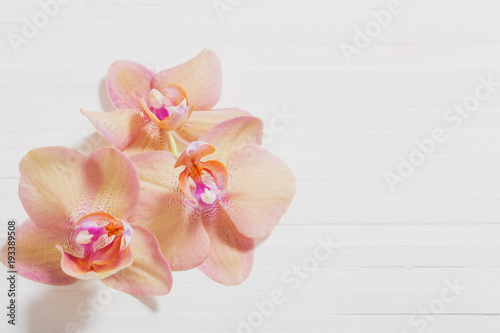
230, 258
261, 187
233, 134
36, 256
201, 121
200, 77
119, 127
128, 82
119, 184
57, 185
176, 223
149, 274
150, 138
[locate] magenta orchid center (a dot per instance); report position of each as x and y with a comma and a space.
160, 104
209, 178
99, 239
169, 110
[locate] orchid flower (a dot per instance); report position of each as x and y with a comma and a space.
155, 108
207, 205
78, 228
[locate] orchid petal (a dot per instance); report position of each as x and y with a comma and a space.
149, 274
36, 257
81, 268
200, 77
232, 134
56, 184
107, 254
59, 185
150, 138
176, 94
260, 190
127, 83
193, 153
119, 187
157, 168
230, 259
179, 114
201, 121
218, 172
119, 127
168, 213
184, 184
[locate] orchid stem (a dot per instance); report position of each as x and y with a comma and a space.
173, 144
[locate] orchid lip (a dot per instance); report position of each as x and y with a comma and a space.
96, 235
169, 111
210, 177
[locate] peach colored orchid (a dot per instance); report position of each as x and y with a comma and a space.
208, 213
154, 108
78, 207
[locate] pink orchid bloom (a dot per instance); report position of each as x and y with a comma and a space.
207, 206
151, 106
78, 207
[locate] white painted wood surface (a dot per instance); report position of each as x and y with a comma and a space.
396, 249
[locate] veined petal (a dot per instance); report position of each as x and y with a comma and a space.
157, 168
127, 83
232, 134
168, 213
230, 258
36, 256
119, 187
260, 190
201, 121
176, 224
200, 77
149, 274
150, 138
59, 185
119, 127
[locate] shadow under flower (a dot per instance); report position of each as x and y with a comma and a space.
61, 310
70, 309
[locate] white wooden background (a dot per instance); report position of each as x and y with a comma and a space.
352, 120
